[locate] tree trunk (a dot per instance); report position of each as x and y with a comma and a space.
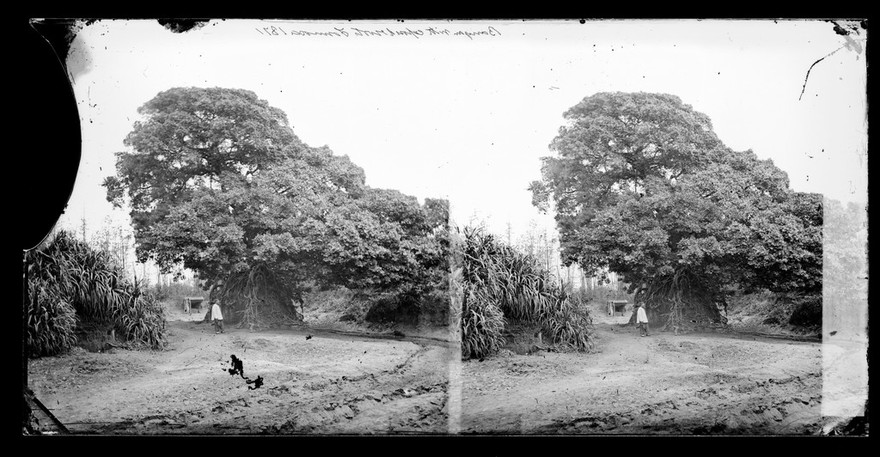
679, 301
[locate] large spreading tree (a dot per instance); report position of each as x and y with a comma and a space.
216, 180
642, 186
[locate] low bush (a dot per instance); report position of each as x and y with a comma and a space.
807, 313
790, 313
393, 309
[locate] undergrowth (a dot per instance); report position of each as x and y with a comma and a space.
70, 283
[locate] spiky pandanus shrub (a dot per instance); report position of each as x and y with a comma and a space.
502, 279
51, 320
569, 323
482, 324
68, 271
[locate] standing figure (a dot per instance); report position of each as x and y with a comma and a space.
641, 319
217, 317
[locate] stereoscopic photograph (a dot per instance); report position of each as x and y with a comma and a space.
456, 227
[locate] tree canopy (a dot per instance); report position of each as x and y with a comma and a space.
642, 186
217, 180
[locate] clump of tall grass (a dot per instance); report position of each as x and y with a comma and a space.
68, 274
51, 321
482, 324
569, 324
503, 283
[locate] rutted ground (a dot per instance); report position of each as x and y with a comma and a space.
324, 384
664, 383
330, 383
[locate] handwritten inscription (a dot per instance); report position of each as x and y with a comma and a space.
345, 32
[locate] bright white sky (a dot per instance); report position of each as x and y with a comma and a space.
469, 118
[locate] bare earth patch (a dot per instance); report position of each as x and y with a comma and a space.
328, 383
660, 384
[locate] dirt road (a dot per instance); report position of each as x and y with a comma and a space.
328, 383
332, 383
660, 384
